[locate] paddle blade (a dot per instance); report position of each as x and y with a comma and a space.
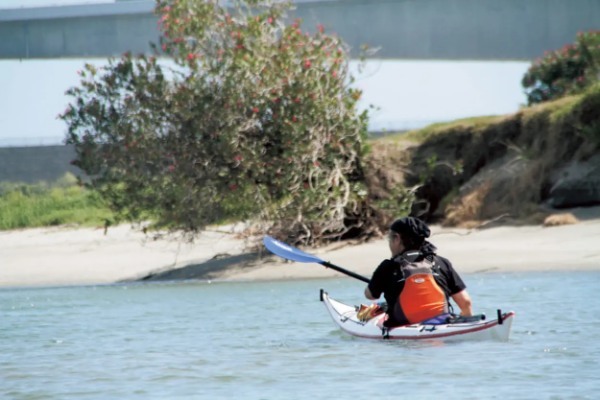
288, 252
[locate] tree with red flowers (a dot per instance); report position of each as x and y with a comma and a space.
565, 71
256, 119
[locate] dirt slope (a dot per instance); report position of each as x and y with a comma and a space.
519, 167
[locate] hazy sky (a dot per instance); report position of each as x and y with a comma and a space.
409, 94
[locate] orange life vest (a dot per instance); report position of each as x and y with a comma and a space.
421, 298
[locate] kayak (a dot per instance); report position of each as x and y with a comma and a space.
345, 317
367, 321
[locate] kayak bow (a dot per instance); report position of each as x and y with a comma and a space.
345, 317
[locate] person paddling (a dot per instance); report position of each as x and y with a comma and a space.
416, 283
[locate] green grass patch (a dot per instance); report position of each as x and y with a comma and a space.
40, 205
418, 136
474, 123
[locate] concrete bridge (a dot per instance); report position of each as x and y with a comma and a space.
403, 29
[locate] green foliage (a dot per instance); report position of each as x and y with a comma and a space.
399, 202
565, 71
580, 115
258, 119
430, 131
42, 204
586, 111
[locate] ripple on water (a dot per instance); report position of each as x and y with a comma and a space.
274, 340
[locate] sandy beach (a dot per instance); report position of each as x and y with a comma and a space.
69, 256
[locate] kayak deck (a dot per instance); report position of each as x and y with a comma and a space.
345, 316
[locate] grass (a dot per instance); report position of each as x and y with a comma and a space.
420, 135
42, 204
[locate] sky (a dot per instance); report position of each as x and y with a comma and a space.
406, 94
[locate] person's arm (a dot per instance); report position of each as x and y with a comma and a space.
369, 295
463, 300
454, 284
375, 287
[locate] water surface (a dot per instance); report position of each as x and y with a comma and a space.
274, 340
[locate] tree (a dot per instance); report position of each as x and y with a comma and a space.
257, 119
566, 71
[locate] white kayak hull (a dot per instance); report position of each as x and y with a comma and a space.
345, 317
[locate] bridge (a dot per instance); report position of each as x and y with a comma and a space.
403, 29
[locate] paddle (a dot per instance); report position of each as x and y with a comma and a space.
288, 252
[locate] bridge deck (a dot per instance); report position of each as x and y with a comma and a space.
424, 29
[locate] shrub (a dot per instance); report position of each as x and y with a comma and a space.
257, 119
49, 204
565, 71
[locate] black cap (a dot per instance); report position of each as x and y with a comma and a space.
411, 226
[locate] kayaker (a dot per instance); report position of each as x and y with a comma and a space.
416, 283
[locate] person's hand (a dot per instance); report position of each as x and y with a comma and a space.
365, 313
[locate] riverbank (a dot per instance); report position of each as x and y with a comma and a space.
67, 256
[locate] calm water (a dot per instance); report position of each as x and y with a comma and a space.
274, 340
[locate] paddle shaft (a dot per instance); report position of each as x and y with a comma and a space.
345, 271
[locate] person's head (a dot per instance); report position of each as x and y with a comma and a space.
408, 233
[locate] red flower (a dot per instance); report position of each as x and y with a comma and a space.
192, 56
255, 110
307, 64
270, 20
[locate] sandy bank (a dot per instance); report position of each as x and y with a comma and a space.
63, 256
502, 249
67, 256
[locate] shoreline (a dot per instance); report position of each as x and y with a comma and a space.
63, 256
